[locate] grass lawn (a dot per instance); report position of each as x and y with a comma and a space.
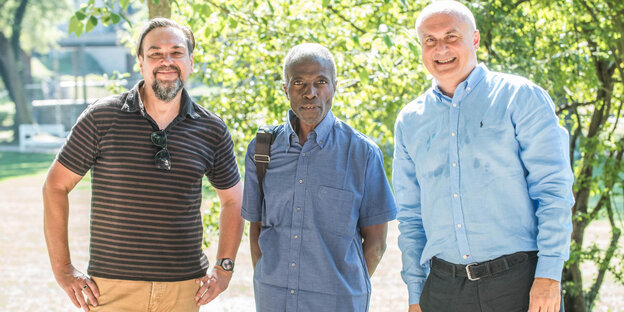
16, 164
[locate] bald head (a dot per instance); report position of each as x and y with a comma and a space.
447, 7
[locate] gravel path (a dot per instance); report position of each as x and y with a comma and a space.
27, 283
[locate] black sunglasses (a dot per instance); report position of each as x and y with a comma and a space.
162, 157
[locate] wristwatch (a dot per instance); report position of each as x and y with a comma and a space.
226, 264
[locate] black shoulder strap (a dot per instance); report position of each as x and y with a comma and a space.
264, 138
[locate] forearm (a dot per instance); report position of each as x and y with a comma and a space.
374, 244
230, 231
373, 251
55, 216
254, 234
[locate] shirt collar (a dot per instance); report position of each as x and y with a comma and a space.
321, 131
133, 102
473, 79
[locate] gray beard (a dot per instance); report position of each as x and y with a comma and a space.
167, 91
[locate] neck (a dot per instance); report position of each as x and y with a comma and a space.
162, 112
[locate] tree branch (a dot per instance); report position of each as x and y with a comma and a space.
573, 105
606, 261
331, 8
16, 31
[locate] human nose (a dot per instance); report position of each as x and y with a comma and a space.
441, 46
310, 92
167, 58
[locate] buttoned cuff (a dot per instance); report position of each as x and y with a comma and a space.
414, 290
549, 267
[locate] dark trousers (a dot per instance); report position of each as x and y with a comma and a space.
506, 291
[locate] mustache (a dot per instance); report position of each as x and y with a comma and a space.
166, 68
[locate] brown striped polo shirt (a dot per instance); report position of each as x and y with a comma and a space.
146, 222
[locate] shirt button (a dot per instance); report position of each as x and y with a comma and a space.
293, 264
300, 181
466, 256
298, 209
455, 195
302, 154
320, 142
296, 236
292, 291
468, 88
459, 225
454, 164
454, 104
452, 133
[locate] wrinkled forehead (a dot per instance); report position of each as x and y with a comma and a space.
444, 21
310, 66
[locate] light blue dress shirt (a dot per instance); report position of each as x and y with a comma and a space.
317, 197
480, 175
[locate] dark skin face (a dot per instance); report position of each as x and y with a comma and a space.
310, 90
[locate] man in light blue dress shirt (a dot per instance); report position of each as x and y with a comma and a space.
482, 181
319, 232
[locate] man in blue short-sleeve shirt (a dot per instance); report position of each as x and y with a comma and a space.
320, 230
482, 180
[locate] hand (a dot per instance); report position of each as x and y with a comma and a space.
214, 283
73, 283
414, 308
545, 295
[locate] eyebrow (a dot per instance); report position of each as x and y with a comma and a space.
175, 47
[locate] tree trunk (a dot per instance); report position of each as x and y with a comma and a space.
159, 8
10, 72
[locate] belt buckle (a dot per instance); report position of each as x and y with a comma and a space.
469, 274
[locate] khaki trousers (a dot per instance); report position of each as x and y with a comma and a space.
140, 296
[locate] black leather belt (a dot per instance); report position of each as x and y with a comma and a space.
476, 271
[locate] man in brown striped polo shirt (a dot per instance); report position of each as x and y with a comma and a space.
147, 150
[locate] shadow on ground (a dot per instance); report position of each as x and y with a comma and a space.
14, 164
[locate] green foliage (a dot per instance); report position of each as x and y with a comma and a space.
107, 12
39, 29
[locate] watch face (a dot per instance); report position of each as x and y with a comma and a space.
227, 264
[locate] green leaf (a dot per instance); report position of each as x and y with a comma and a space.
115, 18
80, 14
414, 49
73, 25
364, 76
270, 6
388, 41
326, 3
124, 4
233, 23
91, 23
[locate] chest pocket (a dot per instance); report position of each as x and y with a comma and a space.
334, 211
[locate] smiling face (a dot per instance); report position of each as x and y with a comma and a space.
449, 47
166, 62
310, 90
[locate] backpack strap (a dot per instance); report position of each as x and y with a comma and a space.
264, 138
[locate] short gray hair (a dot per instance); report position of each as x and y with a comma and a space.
308, 51
448, 7
159, 22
